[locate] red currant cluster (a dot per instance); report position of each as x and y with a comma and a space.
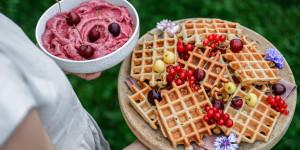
179, 76
278, 104
213, 41
184, 49
217, 115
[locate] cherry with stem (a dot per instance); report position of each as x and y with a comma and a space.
85, 51
113, 28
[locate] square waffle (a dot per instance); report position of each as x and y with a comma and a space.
213, 68
195, 31
144, 57
141, 104
250, 66
251, 123
180, 115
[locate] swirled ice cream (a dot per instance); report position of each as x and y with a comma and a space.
63, 40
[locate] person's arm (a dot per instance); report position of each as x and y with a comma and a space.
29, 135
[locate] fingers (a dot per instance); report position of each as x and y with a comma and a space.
87, 76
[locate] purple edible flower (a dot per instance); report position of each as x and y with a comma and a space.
276, 57
167, 25
224, 143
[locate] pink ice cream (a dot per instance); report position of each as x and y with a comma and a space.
63, 40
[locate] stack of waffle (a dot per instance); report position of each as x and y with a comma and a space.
180, 112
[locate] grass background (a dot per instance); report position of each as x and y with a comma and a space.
277, 20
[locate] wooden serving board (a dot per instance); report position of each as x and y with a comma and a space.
154, 138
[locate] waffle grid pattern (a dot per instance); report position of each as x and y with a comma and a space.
181, 117
251, 123
148, 52
141, 104
250, 65
194, 31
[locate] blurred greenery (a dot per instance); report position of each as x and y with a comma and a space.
277, 20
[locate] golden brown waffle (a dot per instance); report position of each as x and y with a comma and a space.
251, 123
144, 57
180, 115
141, 104
228, 74
196, 30
250, 66
213, 68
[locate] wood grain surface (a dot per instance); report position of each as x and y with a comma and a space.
154, 138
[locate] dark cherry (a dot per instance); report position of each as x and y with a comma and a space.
94, 35
278, 89
152, 95
73, 19
237, 102
199, 74
86, 51
236, 45
114, 29
218, 104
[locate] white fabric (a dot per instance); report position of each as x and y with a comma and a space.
29, 79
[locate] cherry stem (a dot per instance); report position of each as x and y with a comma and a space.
60, 9
149, 52
80, 36
98, 20
103, 15
154, 49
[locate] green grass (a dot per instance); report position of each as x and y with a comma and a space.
278, 21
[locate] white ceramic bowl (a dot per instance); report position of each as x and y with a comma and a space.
94, 65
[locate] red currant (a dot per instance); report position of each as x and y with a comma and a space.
207, 108
217, 38
212, 46
226, 117
217, 116
180, 48
186, 56
210, 113
281, 110
172, 80
221, 112
179, 42
205, 118
196, 88
178, 82
217, 44
281, 102
221, 122
215, 110
212, 53
188, 47
192, 83
223, 51
169, 77
182, 76
172, 72
286, 112
229, 123
170, 67
177, 68
189, 73
182, 71
210, 38
192, 78
277, 98
211, 121
205, 43
222, 38
275, 104
218, 50
284, 105
276, 108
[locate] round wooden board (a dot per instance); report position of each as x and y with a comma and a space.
154, 138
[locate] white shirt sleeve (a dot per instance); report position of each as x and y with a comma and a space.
16, 100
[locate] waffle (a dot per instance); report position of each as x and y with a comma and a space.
250, 66
142, 62
251, 123
228, 74
180, 115
141, 104
195, 31
214, 70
